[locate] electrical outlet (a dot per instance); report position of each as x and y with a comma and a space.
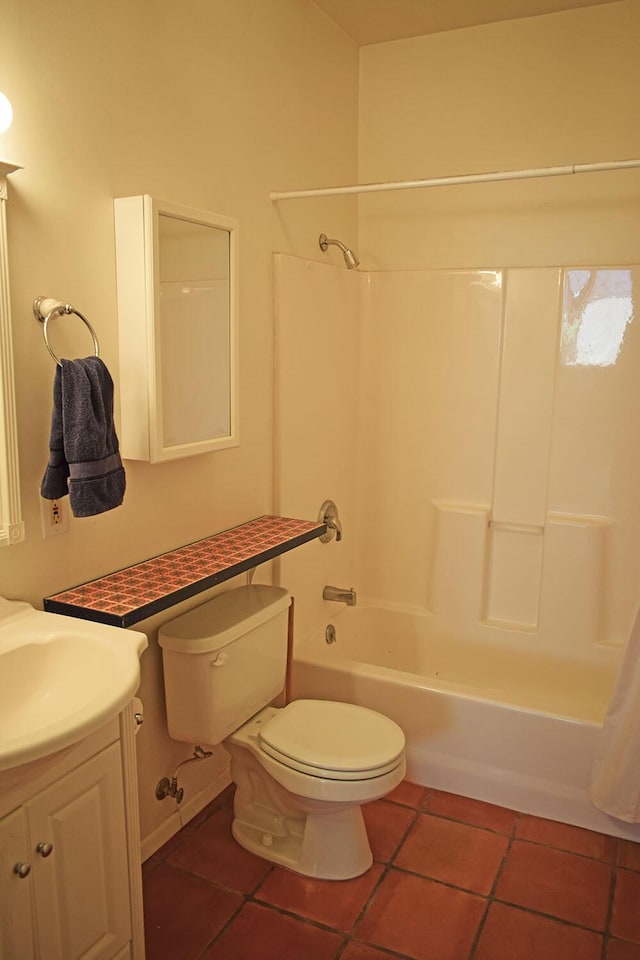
54, 517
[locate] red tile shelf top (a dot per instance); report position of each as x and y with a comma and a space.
134, 593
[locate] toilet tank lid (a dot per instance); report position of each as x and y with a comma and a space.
223, 619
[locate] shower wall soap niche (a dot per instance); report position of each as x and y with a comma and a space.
177, 328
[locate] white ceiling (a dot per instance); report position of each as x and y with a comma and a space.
376, 21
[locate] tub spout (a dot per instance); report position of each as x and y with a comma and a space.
340, 594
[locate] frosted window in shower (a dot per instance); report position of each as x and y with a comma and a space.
598, 306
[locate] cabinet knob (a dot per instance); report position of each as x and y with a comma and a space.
44, 849
22, 869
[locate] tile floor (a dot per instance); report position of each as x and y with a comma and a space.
452, 879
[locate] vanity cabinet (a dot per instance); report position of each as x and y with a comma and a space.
70, 886
16, 938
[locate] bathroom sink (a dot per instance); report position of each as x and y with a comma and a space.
60, 679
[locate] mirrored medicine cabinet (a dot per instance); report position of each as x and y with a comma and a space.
177, 327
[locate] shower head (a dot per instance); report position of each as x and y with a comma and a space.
349, 256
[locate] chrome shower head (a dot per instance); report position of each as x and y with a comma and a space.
350, 258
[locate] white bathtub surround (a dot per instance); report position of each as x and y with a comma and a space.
548, 580
499, 725
615, 787
482, 418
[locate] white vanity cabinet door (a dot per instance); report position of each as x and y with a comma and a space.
16, 938
81, 888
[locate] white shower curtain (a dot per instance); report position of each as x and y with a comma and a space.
615, 781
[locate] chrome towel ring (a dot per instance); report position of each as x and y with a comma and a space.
44, 308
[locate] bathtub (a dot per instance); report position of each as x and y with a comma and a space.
503, 725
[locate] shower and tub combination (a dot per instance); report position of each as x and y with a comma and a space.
483, 457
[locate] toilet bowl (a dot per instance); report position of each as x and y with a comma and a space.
301, 779
301, 771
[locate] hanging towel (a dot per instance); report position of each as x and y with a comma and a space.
84, 459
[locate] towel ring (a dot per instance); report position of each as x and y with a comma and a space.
44, 308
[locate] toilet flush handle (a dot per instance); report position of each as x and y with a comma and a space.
220, 660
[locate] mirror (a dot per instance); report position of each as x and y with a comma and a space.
194, 308
177, 320
11, 523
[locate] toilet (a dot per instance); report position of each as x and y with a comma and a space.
301, 771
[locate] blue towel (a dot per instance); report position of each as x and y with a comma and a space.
84, 459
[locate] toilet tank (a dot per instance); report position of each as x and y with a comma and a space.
223, 661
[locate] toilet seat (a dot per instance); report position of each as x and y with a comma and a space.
326, 772
333, 740
314, 786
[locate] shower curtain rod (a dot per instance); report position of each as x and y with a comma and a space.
450, 181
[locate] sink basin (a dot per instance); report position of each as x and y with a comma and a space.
60, 679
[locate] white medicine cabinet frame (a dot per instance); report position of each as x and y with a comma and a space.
11, 523
177, 277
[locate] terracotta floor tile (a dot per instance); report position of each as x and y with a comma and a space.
422, 919
259, 933
225, 799
467, 810
555, 878
171, 844
622, 950
513, 934
193, 824
552, 881
386, 825
363, 951
566, 837
625, 920
629, 854
453, 852
211, 852
410, 794
337, 904
182, 913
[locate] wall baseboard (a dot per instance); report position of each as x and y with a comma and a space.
183, 814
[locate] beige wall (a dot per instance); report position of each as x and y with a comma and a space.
207, 103
550, 90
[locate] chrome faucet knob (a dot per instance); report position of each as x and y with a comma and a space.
334, 524
328, 514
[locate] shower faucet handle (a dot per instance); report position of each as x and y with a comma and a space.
328, 514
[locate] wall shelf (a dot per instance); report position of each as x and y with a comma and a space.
135, 593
